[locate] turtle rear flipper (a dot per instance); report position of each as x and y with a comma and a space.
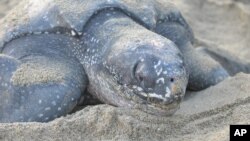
39, 86
231, 63
204, 71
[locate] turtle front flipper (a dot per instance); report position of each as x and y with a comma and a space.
43, 82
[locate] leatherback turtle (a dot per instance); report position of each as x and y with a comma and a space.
134, 54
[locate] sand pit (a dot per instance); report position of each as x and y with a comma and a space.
204, 115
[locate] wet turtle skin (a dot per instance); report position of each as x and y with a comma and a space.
133, 54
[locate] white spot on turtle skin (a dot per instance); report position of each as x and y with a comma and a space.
40, 101
47, 118
139, 89
145, 19
57, 96
40, 115
53, 103
5, 85
72, 99
160, 22
80, 33
52, 25
165, 72
160, 80
59, 108
158, 72
45, 18
168, 92
158, 64
154, 95
92, 39
108, 14
73, 33
47, 108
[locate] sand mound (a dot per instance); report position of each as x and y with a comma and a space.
203, 115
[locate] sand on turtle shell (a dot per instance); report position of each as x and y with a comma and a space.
204, 115
44, 72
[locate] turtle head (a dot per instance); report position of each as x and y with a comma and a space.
148, 74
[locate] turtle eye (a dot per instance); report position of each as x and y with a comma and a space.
135, 68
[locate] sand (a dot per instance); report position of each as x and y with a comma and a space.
33, 73
204, 115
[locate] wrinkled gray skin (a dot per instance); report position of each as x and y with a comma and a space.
54, 52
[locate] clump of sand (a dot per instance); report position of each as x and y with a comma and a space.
44, 72
204, 115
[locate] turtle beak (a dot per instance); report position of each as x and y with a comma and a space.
162, 81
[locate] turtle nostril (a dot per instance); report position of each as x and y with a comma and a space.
172, 80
